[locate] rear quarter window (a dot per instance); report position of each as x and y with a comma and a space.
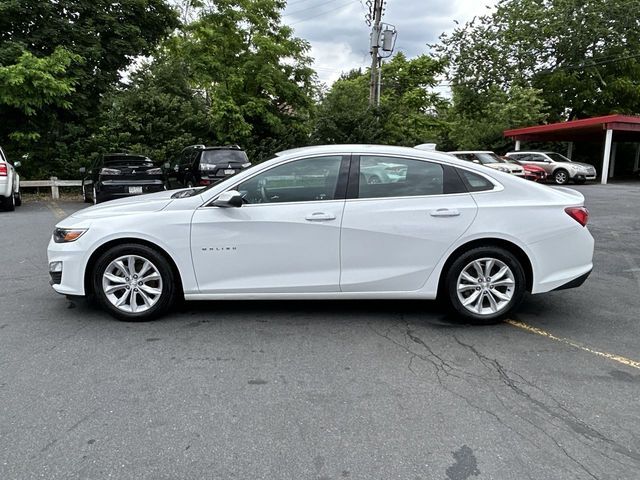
475, 182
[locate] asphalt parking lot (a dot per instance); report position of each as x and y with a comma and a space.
313, 390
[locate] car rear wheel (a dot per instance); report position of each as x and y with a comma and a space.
8, 203
485, 284
561, 177
134, 282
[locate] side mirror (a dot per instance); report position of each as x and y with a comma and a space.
476, 161
17, 164
230, 198
167, 165
82, 170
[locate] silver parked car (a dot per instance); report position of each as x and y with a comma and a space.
558, 167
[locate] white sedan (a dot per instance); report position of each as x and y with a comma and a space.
308, 225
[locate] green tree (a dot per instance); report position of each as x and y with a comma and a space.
409, 111
233, 75
477, 121
584, 56
101, 37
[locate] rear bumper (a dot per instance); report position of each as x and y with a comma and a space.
575, 283
109, 189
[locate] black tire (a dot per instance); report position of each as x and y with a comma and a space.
85, 197
17, 199
169, 282
8, 203
450, 283
561, 177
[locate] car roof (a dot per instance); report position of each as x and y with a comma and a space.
471, 151
368, 149
218, 147
530, 151
124, 156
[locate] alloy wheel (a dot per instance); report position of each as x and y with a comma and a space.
561, 178
486, 286
132, 284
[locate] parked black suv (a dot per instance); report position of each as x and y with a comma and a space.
118, 175
200, 165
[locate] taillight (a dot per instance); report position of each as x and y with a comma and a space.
3, 170
204, 182
579, 214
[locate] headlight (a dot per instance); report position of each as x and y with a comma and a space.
246, 165
503, 169
67, 235
110, 171
207, 166
154, 171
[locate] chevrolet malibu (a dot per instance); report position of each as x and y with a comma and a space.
308, 225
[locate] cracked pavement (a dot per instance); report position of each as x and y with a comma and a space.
321, 390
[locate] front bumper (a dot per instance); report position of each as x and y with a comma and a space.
70, 281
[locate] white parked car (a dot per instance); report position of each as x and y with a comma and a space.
9, 184
308, 225
491, 160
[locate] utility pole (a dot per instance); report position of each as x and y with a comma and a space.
376, 18
382, 43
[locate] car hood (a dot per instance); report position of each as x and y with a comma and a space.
151, 202
579, 164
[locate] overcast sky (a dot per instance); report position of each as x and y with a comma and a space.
340, 37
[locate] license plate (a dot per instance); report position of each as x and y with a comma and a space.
135, 189
229, 172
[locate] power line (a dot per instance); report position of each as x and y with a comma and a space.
322, 14
309, 8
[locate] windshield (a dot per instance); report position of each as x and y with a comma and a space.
488, 158
556, 157
214, 157
199, 190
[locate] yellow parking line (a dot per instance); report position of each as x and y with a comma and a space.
57, 211
611, 356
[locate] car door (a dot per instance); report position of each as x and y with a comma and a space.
394, 233
286, 236
540, 160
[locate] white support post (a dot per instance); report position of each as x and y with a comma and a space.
517, 145
55, 191
607, 156
614, 152
636, 164
570, 151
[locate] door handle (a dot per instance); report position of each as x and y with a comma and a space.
320, 217
445, 212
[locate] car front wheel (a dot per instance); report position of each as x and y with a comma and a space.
134, 282
561, 177
485, 284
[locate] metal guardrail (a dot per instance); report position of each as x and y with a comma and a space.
53, 182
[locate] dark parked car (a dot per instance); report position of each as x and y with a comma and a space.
200, 165
117, 175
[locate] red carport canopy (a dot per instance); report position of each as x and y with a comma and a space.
625, 127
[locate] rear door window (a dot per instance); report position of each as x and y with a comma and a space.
384, 177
